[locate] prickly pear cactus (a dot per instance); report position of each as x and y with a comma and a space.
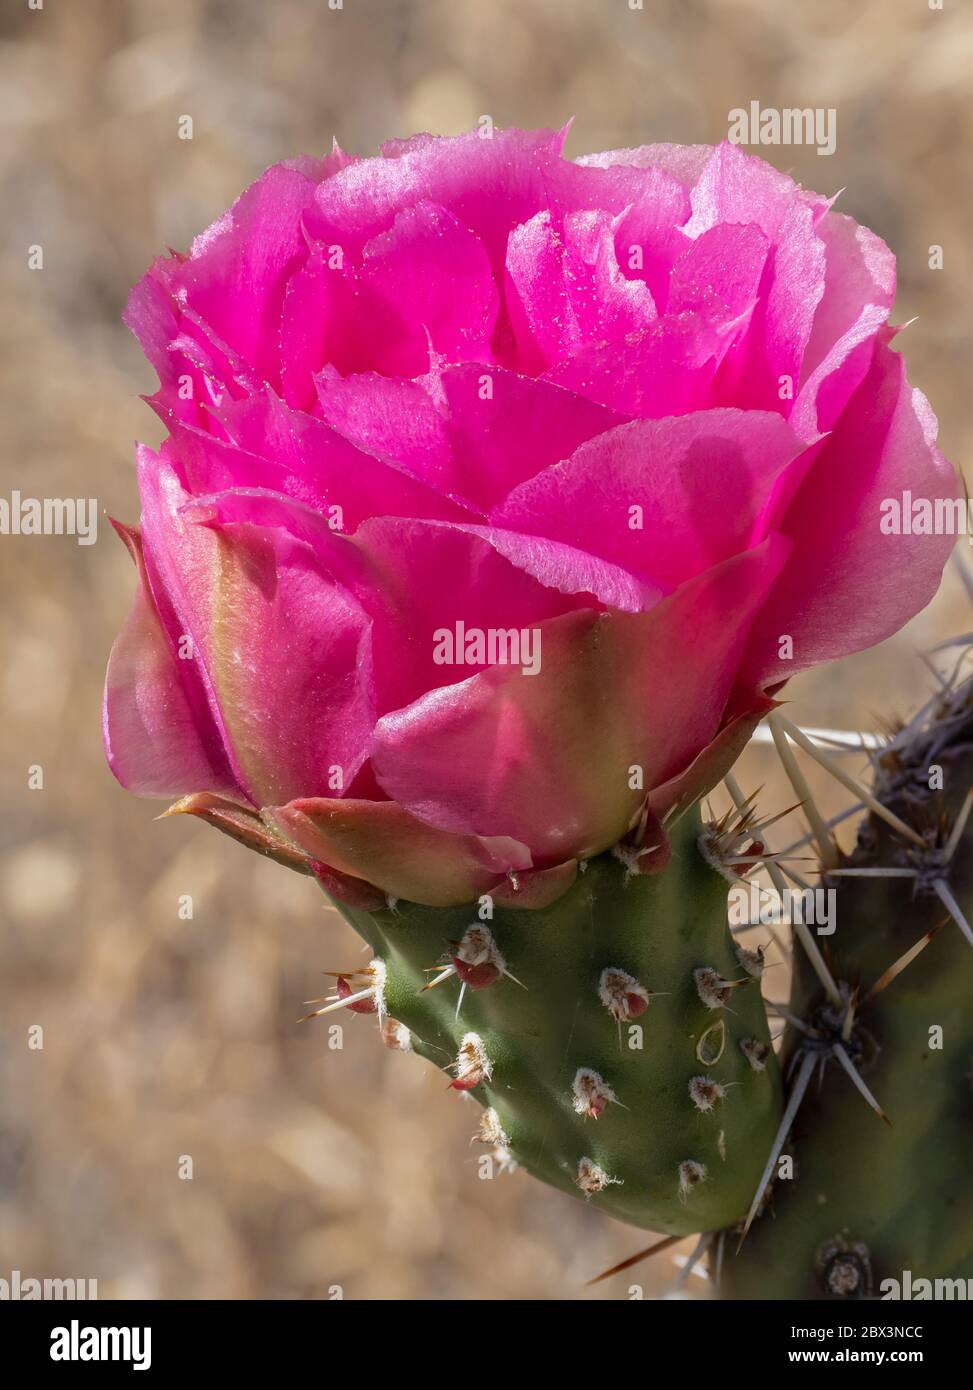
617, 1039
871, 1205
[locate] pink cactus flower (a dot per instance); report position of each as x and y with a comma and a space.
501, 491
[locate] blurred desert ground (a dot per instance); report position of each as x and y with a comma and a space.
165, 1037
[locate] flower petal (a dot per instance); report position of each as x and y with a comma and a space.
159, 740
380, 842
663, 499
471, 431
549, 758
847, 585
244, 826
283, 648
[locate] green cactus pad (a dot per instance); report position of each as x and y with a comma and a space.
672, 1151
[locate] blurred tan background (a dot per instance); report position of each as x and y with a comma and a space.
165, 1037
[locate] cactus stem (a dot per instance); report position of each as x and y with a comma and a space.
852, 785
787, 1119
839, 1052
656, 1248
945, 895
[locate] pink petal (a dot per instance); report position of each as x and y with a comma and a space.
327, 318
380, 842
491, 185
718, 276
606, 304
702, 482
243, 825
282, 648
847, 585
287, 451
416, 579
543, 320
196, 370
859, 271
713, 763
737, 187
667, 369
572, 570
535, 888
235, 275
158, 740
547, 758
433, 272
684, 163
650, 232
470, 431
427, 577
764, 372
838, 375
